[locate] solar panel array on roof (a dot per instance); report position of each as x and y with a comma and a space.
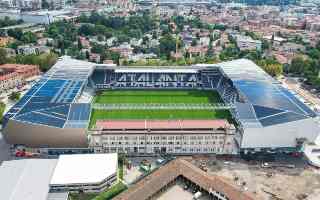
267, 102
51, 101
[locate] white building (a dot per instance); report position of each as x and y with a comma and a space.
84, 172
52, 179
247, 43
39, 17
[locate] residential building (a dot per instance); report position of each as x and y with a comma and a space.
125, 50
247, 43
4, 41
14, 75
31, 49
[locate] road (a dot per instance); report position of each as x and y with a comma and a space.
307, 95
4, 150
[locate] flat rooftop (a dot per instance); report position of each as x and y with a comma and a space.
26, 179
84, 168
161, 124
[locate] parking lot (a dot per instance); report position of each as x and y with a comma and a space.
135, 172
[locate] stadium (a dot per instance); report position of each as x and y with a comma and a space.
206, 108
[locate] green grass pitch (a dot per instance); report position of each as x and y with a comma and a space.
158, 96
158, 114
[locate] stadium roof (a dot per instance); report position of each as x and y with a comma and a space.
84, 168
269, 102
51, 101
266, 102
26, 179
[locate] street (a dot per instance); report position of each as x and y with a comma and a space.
4, 150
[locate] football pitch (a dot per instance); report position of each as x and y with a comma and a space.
157, 97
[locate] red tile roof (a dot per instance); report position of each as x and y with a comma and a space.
161, 124
153, 183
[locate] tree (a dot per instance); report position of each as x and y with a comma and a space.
45, 61
3, 56
45, 4
2, 108
79, 44
28, 37
194, 42
15, 33
135, 33
97, 48
15, 96
167, 45
297, 65
111, 55
273, 69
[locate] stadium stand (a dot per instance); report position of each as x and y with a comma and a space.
268, 115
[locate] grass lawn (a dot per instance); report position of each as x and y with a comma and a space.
2, 108
105, 195
158, 114
157, 96
83, 196
111, 192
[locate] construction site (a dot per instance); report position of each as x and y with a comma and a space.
286, 178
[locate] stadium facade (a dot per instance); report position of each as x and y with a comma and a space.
164, 136
268, 116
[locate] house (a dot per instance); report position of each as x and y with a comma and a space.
197, 51
84, 42
31, 49
94, 57
125, 50
135, 42
26, 50
176, 55
277, 41
141, 56
45, 41
204, 41
4, 41
10, 52
111, 41
281, 59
